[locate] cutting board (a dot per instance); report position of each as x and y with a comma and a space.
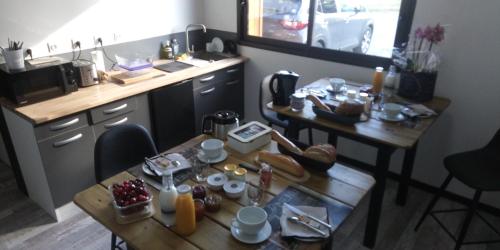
129, 77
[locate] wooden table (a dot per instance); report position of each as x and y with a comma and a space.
385, 136
344, 186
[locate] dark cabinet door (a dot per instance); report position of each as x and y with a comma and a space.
232, 96
172, 112
208, 100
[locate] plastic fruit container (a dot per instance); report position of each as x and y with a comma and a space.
133, 212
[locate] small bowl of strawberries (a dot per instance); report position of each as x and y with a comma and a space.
131, 198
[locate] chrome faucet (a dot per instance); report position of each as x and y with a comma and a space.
189, 51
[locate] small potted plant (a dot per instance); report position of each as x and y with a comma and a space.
418, 61
14, 55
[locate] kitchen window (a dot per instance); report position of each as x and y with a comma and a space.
357, 32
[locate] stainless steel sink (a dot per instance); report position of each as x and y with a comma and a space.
208, 56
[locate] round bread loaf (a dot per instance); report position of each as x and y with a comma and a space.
323, 152
350, 107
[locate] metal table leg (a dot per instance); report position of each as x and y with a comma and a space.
293, 129
404, 183
382, 165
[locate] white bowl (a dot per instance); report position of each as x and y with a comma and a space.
234, 189
216, 181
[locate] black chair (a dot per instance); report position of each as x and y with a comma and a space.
479, 169
118, 149
270, 116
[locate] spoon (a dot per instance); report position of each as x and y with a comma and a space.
295, 219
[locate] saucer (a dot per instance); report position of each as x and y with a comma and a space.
398, 118
253, 238
201, 156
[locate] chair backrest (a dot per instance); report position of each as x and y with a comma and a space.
120, 148
495, 141
265, 96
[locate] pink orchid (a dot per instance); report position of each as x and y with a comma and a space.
428, 33
419, 33
438, 35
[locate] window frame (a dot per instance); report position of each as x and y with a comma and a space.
406, 12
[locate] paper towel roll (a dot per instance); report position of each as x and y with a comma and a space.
98, 59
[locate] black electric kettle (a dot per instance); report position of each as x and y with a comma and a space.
282, 86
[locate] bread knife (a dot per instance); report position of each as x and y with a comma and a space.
249, 167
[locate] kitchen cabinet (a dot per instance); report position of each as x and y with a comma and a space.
68, 163
221, 90
172, 114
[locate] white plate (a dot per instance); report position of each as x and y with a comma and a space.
398, 118
253, 238
217, 44
201, 156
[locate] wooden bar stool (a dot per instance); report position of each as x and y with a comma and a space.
479, 169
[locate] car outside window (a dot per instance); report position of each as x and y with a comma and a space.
360, 32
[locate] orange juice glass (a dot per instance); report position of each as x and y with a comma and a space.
184, 211
378, 80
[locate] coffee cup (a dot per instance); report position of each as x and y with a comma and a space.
338, 84
392, 110
212, 148
250, 220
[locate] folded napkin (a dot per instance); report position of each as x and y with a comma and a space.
289, 228
422, 110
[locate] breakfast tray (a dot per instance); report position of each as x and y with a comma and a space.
299, 196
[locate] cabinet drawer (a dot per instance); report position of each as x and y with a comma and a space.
113, 122
68, 163
113, 109
61, 126
233, 73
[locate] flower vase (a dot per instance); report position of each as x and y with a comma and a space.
417, 86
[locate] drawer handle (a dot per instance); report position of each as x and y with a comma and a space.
232, 82
187, 80
206, 79
114, 110
64, 125
207, 91
67, 141
110, 125
230, 71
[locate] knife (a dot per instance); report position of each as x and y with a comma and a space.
302, 213
249, 167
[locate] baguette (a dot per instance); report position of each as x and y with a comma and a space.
283, 141
324, 152
318, 103
282, 162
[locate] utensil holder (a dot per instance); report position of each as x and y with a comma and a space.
14, 58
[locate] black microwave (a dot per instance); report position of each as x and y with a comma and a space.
36, 83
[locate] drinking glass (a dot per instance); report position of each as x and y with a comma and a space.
200, 170
254, 194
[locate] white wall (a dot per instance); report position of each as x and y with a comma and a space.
58, 21
468, 76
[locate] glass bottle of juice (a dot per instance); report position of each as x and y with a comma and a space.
185, 219
378, 80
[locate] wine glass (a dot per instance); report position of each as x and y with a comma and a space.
254, 194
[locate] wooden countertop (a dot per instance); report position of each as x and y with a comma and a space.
93, 96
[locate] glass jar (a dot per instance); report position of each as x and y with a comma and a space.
229, 170
266, 175
185, 217
240, 174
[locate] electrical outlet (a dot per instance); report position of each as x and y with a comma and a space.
97, 41
75, 44
116, 37
52, 47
